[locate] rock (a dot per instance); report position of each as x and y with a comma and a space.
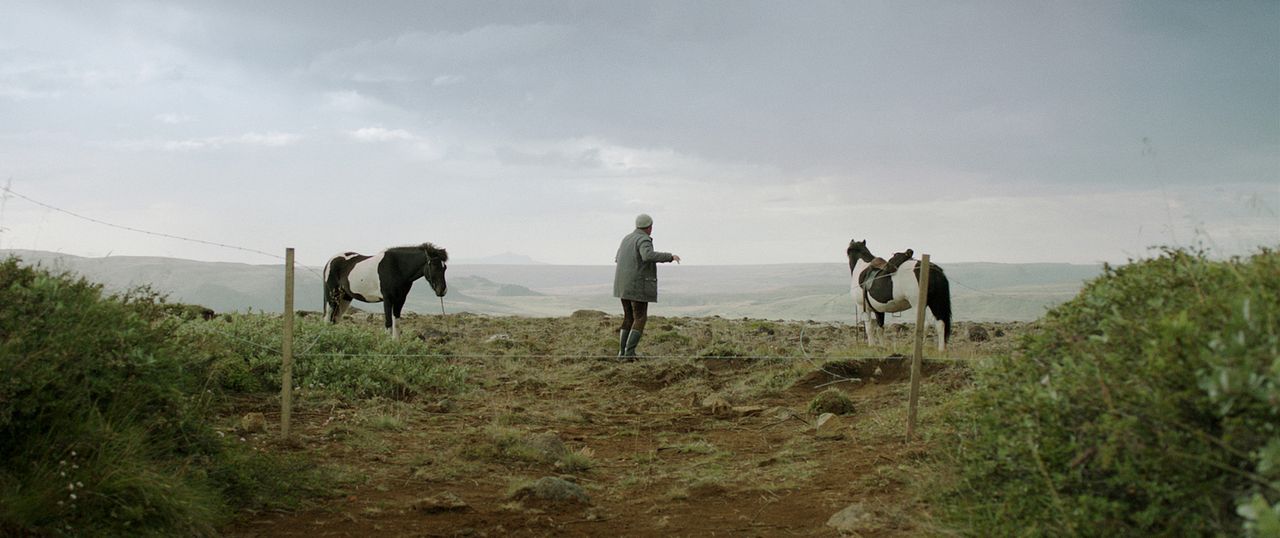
442, 406
588, 314
747, 410
549, 445
978, 333
716, 405
552, 489
829, 426
853, 519
444, 502
429, 334
253, 423
784, 413
498, 338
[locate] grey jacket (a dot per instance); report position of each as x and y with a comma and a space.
636, 278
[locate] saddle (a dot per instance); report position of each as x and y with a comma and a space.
879, 267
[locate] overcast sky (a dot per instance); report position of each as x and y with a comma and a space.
753, 132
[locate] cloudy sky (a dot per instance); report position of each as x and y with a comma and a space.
753, 132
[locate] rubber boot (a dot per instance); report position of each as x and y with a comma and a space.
632, 340
622, 341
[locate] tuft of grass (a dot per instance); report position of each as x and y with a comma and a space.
832, 400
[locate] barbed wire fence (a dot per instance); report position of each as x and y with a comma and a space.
306, 350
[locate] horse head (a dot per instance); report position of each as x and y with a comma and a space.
858, 251
435, 268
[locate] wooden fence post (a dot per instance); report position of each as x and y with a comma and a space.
286, 348
919, 354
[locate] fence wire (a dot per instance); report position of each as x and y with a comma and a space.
305, 350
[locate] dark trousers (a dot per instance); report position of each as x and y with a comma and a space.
634, 315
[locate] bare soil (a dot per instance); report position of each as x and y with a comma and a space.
657, 461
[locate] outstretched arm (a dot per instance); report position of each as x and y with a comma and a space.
649, 255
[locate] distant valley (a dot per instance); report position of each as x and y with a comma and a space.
813, 291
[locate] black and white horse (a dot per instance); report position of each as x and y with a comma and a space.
382, 278
877, 289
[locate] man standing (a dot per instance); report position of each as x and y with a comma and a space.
636, 282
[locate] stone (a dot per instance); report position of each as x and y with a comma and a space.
253, 423
978, 333
444, 502
829, 426
851, 520
441, 406
747, 410
716, 405
552, 489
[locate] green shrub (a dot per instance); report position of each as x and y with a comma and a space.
832, 400
348, 359
104, 424
1148, 405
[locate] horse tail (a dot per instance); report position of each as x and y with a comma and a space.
324, 291
939, 299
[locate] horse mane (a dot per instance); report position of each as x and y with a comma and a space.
431, 250
435, 252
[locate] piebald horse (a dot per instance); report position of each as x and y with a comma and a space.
877, 289
382, 278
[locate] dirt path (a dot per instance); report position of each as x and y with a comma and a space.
639, 441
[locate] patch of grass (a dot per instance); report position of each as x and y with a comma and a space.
352, 360
697, 446
500, 443
791, 466
386, 423
768, 379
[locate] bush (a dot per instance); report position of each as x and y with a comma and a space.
103, 416
349, 360
1149, 404
832, 400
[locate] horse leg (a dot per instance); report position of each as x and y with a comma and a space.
871, 332
880, 329
395, 321
389, 319
940, 327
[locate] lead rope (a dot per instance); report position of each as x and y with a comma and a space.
447, 329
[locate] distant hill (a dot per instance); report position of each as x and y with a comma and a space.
816, 291
506, 258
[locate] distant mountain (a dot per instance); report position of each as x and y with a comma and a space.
814, 291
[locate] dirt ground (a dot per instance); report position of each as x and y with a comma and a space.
662, 447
